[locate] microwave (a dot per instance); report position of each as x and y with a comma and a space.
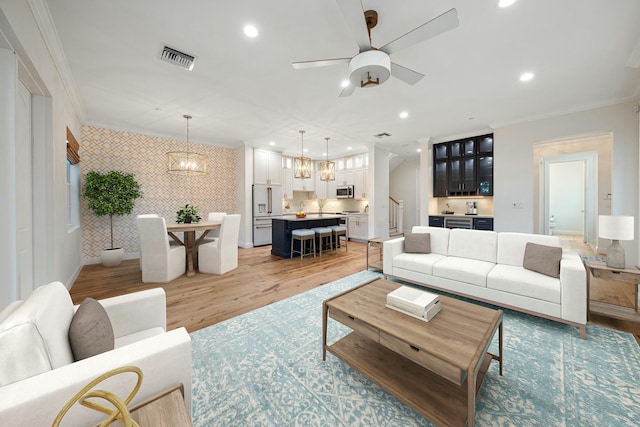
344, 192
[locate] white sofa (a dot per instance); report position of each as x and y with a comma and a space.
488, 266
38, 374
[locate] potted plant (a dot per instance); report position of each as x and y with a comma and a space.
187, 214
111, 193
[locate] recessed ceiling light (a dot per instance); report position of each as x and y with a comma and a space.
525, 77
344, 83
306, 150
506, 3
404, 115
348, 148
272, 143
250, 31
324, 154
419, 150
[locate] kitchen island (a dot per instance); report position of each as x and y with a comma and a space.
281, 227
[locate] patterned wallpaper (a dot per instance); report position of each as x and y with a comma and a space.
145, 157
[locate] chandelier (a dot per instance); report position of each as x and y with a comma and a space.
327, 169
302, 164
186, 162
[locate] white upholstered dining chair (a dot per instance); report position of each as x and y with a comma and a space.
212, 235
161, 262
221, 255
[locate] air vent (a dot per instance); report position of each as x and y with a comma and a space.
181, 59
382, 135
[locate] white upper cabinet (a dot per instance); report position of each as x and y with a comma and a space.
360, 183
267, 167
324, 189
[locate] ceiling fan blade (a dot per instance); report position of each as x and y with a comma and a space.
445, 22
406, 75
353, 13
347, 91
319, 63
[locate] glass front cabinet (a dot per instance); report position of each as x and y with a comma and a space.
463, 167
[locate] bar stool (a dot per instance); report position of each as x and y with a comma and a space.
303, 235
340, 230
323, 233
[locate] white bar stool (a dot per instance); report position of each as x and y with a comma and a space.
323, 233
303, 235
340, 230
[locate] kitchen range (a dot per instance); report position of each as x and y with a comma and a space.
267, 203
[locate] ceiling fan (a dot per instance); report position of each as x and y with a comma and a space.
372, 66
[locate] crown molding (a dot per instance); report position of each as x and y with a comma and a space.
42, 16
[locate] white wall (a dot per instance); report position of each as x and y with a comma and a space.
513, 175
56, 249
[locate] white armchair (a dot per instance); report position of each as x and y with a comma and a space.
38, 374
160, 261
221, 255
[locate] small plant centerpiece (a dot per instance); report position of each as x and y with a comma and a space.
187, 214
111, 193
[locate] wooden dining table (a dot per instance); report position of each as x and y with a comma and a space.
189, 240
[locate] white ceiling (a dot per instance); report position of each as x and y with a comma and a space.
244, 90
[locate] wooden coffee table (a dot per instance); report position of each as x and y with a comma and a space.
435, 367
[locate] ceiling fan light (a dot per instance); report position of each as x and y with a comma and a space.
370, 68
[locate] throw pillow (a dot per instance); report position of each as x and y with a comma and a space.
417, 243
90, 332
542, 259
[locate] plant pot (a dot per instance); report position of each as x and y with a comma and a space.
187, 219
112, 257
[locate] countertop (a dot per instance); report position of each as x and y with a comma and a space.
455, 215
292, 217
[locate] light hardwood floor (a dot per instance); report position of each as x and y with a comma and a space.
262, 279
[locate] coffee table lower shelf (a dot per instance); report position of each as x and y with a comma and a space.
434, 397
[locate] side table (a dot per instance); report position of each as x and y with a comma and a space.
601, 271
376, 242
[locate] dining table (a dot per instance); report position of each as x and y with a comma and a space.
189, 240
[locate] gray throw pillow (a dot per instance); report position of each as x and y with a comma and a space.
417, 243
90, 332
542, 259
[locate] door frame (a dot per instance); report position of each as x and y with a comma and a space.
590, 159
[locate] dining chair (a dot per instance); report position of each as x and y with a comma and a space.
139, 245
161, 262
213, 234
221, 255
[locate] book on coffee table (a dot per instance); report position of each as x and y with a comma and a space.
414, 302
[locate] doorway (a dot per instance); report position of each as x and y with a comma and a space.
569, 202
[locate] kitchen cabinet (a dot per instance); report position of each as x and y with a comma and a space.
483, 224
358, 227
300, 184
463, 167
324, 189
360, 183
267, 167
287, 185
436, 221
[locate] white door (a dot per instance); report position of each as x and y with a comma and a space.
24, 185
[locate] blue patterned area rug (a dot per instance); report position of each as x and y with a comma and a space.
265, 368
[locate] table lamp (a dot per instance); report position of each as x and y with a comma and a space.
615, 228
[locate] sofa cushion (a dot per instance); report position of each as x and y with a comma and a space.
422, 263
418, 243
36, 332
517, 280
438, 236
473, 244
511, 246
465, 270
90, 332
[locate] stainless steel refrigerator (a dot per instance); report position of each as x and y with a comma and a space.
267, 203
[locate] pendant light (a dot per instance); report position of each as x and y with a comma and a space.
327, 169
302, 164
187, 162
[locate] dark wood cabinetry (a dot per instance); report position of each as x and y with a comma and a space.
483, 224
463, 167
436, 221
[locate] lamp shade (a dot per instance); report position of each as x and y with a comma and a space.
615, 227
